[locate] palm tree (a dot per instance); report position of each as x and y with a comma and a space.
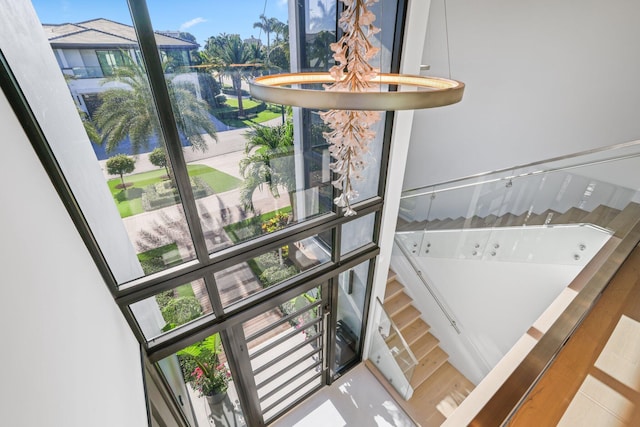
320, 55
235, 56
268, 25
130, 112
269, 161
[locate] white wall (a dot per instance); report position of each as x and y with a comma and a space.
543, 79
28, 53
68, 357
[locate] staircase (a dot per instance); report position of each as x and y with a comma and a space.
603, 216
438, 387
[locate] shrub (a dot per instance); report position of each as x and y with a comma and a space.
179, 311
277, 274
163, 194
220, 100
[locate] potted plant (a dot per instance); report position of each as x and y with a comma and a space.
210, 377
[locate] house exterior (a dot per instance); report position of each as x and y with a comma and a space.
90, 51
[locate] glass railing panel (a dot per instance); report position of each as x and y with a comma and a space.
518, 252
391, 354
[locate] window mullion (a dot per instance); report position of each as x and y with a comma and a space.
169, 129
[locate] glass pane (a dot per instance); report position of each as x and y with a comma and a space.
170, 309
271, 268
132, 205
357, 233
211, 387
352, 288
286, 352
241, 155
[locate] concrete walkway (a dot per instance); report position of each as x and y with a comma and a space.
225, 153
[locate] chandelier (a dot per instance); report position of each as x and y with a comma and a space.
353, 97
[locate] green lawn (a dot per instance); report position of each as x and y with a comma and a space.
246, 103
218, 181
273, 111
129, 201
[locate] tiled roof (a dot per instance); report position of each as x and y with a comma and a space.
103, 32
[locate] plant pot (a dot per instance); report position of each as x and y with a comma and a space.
216, 403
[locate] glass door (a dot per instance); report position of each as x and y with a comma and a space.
287, 350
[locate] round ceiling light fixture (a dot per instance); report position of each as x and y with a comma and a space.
414, 92
353, 94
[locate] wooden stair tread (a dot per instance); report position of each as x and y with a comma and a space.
571, 216
506, 220
433, 223
541, 218
447, 383
397, 303
427, 366
424, 345
393, 288
414, 330
406, 316
625, 220
453, 224
400, 223
391, 276
601, 215
441, 224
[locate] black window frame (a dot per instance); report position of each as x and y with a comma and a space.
206, 264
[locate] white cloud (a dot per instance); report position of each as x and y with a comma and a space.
283, 3
192, 22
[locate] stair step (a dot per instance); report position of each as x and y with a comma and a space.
477, 222
427, 366
446, 384
441, 224
391, 276
433, 223
424, 345
541, 219
414, 330
571, 216
397, 303
393, 288
602, 215
506, 220
454, 224
406, 316
401, 223
625, 220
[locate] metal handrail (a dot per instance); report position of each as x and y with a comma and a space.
513, 168
397, 331
426, 285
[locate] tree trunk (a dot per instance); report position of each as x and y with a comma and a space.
237, 83
124, 187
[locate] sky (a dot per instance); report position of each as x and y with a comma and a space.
202, 18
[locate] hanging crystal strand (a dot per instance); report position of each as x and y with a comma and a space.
351, 130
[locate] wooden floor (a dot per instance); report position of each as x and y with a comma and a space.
579, 389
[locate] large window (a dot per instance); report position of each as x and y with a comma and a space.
210, 213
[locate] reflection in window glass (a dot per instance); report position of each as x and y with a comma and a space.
270, 268
357, 233
210, 385
145, 223
172, 308
352, 288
